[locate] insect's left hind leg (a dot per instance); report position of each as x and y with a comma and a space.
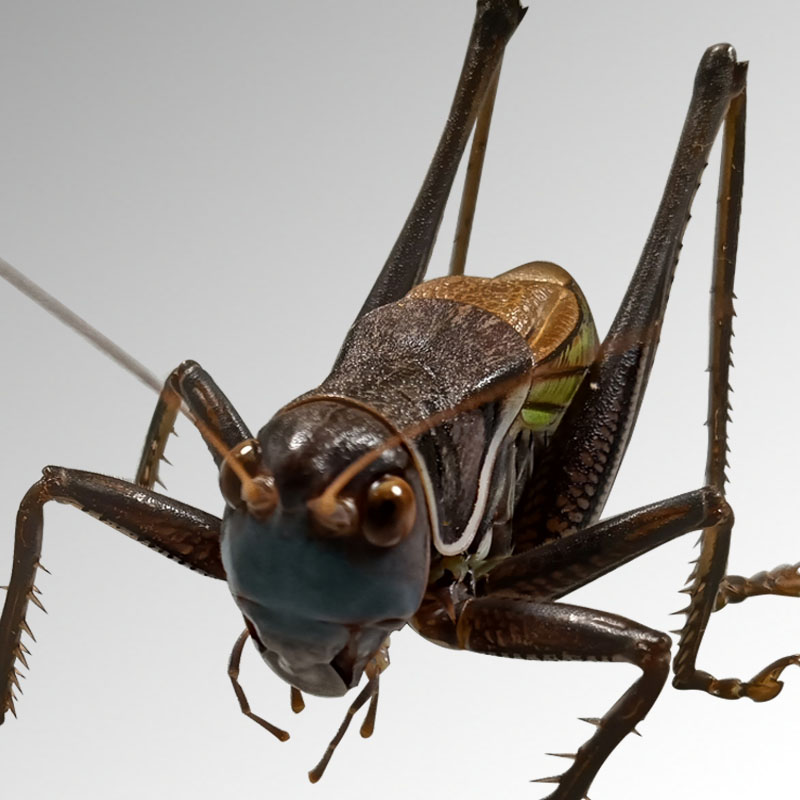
709, 588
578, 468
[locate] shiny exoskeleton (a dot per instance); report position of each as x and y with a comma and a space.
451, 471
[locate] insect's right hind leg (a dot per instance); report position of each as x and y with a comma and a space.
180, 532
212, 413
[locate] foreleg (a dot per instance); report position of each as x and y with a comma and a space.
183, 533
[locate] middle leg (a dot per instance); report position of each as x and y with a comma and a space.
555, 631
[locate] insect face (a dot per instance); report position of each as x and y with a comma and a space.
325, 577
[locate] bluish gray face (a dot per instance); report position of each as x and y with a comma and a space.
320, 596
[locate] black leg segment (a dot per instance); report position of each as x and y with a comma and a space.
183, 533
581, 463
559, 632
212, 413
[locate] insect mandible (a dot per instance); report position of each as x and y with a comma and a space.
687, 466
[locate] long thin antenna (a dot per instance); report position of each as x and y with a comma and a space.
79, 325
113, 351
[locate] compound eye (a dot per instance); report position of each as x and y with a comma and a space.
244, 482
390, 511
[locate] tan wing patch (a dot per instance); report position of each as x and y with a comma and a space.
542, 302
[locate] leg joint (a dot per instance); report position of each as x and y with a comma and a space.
717, 509
653, 651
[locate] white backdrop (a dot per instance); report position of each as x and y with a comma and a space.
221, 181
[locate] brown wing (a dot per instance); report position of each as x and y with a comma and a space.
546, 307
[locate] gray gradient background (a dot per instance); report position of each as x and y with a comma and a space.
221, 181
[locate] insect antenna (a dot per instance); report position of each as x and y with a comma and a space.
78, 324
109, 348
